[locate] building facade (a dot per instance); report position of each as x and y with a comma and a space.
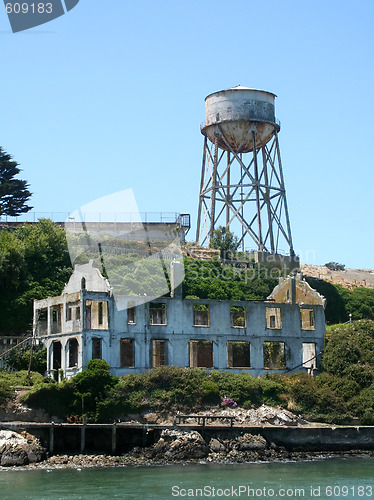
283, 333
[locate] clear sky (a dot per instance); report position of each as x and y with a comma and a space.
110, 96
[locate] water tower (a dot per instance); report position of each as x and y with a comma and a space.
242, 185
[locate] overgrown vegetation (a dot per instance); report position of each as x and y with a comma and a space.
17, 379
210, 279
104, 397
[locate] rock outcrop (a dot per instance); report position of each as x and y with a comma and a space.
19, 449
175, 445
264, 415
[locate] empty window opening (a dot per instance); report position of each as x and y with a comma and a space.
274, 355
201, 353
83, 283
238, 354
96, 348
100, 313
237, 317
56, 319
307, 319
273, 318
157, 314
42, 324
56, 355
200, 315
88, 316
97, 315
158, 353
311, 318
69, 315
309, 356
73, 353
127, 353
131, 316
72, 311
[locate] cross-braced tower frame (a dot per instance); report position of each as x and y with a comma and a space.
242, 182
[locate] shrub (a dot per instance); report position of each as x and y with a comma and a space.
317, 403
335, 266
210, 392
344, 387
21, 378
56, 399
362, 405
5, 393
21, 360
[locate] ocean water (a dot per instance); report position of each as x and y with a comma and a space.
351, 478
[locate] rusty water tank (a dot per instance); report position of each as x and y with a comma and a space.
233, 114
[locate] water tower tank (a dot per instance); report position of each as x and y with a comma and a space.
233, 114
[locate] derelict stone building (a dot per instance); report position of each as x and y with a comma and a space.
83, 323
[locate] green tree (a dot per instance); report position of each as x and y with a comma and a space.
359, 302
225, 241
14, 193
335, 266
335, 311
34, 264
92, 385
21, 360
350, 352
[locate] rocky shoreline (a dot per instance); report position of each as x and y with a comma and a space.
173, 447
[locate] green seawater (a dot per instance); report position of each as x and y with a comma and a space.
351, 478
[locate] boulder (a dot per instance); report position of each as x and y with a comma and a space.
19, 449
150, 418
216, 445
251, 442
176, 445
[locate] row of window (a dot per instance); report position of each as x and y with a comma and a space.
97, 316
157, 316
201, 354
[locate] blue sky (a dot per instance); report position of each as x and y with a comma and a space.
111, 95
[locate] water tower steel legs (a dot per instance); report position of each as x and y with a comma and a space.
213, 194
257, 190
243, 191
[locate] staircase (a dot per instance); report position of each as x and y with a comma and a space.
18, 348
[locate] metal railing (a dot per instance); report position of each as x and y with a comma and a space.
156, 217
4, 355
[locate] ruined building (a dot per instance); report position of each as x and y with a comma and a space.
83, 323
